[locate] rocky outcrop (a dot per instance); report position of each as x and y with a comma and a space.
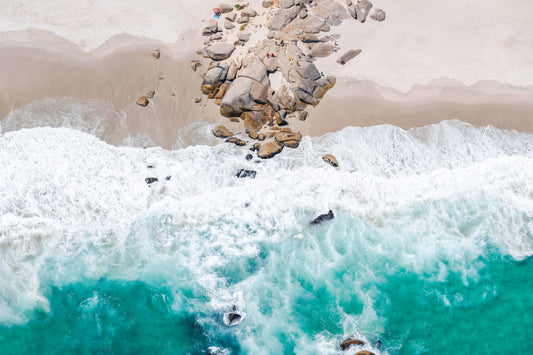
219, 50
270, 149
347, 56
349, 342
282, 18
330, 159
221, 132
332, 12
238, 98
322, 218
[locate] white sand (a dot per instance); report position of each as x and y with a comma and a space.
420, 40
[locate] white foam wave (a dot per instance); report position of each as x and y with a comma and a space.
74, 206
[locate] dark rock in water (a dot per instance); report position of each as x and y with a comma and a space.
364, 352
168, 178
249, 157
378, 344
349, 342
150, 180
150, 166
232, 318
320, 219
246, 173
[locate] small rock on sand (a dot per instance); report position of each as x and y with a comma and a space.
156, 54
249, 12
228, 25
330, 159
267, 3
270, 149
347, 56
150, 94
221, 132
378, 15
142, 101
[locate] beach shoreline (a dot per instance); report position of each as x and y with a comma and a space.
123, 69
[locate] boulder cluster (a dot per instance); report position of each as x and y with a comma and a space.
274, 79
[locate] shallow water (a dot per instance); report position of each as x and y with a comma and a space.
429, 251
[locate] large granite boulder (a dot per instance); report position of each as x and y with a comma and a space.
225, 8
211, 28
249, 12
307, 70
214, 78
362, 9
332, 12
282, 18
238, 97
286, 4
254, 68
220, 50
270, 149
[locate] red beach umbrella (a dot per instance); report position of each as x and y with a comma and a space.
216, 10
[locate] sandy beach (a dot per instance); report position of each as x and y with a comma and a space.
36, 64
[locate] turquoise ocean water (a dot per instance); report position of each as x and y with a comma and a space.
429, 251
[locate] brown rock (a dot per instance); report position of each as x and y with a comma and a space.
287, 136
197, 100
261, 137
255, 147
291, 143
270, 149
347, 56
253, 135
221, 132
142, 101
150, 94
349, 342
364, 352
330, 159
236, 141
222, 91
303, 115
156, 54
253, 121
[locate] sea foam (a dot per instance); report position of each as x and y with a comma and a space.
431, 201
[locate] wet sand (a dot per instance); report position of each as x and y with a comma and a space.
124, 69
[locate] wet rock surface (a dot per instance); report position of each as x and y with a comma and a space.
322, 218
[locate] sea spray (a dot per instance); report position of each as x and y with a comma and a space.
430, 246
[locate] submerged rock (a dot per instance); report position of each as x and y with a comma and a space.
232, 318
322, 218
330, 159
246, 173
349, 342
150, 180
